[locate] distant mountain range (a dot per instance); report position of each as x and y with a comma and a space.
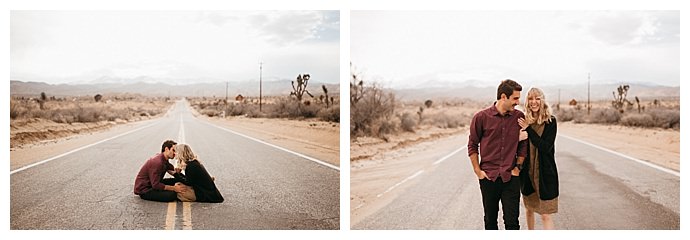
567, 92
246, 88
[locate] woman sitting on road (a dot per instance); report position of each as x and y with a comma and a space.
200, 186
539, 174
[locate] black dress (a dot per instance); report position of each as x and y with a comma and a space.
197, 177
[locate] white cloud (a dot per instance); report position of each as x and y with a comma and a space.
544, 47
162, 44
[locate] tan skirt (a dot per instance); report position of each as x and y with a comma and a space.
532, 202
187, 196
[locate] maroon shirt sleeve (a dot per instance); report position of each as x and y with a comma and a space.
475, 134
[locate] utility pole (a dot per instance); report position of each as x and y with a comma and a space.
261, 68
226, 93
589, 105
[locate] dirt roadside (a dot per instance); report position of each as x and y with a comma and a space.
317, 139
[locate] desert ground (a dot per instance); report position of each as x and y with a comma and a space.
313, 138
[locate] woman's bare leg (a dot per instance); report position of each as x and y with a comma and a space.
547, 219
530, 219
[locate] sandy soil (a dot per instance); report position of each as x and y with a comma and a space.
35, 151
317, 139
376, 165
658, 146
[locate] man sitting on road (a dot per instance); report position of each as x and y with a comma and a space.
150, 184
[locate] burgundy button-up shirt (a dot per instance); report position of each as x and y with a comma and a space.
151, 174
498, 137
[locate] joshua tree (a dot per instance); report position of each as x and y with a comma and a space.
638, 104
619, 101
325, 91
428, 103
42, 100
301, 88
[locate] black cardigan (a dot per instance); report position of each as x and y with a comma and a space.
204, 187
548, 174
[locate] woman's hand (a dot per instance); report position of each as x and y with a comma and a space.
523, 124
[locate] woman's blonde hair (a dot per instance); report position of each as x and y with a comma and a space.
544, 114
184, 155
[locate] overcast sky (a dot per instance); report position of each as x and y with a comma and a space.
410, 49
80, 46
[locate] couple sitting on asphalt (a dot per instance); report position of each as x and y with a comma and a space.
196, 185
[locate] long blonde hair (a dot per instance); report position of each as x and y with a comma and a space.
544, 114
184, 155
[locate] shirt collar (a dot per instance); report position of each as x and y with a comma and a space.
494, 111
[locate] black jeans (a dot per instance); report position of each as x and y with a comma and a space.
161, 195
509, 195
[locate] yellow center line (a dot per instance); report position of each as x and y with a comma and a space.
186, 216
170, 217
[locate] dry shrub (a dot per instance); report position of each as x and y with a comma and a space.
210, 112
638, 120
661, 118
83, 109
605, 115
14, 109
290, 108
444, 120
564, 114
408, 121
373, 107
383, 127
331, 114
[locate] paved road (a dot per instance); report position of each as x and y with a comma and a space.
599, 190
264, 187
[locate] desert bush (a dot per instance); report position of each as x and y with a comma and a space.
638, 120
443, 120
14, 109
408, 121
666, 118
210, 112
382, 127
604, 115
374, 105
331, 114
84, 109
565, 114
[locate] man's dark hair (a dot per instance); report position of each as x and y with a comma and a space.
507, 87
168, 144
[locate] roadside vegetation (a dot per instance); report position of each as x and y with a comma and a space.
300, 104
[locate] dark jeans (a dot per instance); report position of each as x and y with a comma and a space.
161, 195
509, 195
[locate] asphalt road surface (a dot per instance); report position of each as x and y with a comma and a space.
599, 189
264, 187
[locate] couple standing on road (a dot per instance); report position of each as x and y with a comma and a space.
196, 185
509, 164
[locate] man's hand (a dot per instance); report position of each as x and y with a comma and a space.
180, 188
481, 174
523, 135
515, 171
178, 170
